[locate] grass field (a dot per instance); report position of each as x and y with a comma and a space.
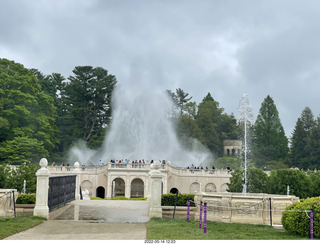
10, 226
179, 229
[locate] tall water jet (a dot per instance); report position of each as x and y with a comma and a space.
246, 120
141, 128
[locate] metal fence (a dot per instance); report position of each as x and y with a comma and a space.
61, 191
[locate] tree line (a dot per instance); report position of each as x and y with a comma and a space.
44, 115
303, 184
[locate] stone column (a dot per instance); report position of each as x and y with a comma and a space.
127, 189
76, 170
41, 208
155, 203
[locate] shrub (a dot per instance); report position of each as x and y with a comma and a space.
298, 222
26, 199
169, 199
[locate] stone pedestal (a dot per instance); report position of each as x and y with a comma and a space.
156, 178
41, 208
77, 171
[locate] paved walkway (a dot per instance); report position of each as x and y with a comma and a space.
92, 220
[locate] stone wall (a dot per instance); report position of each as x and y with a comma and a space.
7, 202
250, 208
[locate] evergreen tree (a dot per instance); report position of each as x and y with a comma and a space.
270, 142
208, 119
301, 141
180, 99
87, 101
314, 146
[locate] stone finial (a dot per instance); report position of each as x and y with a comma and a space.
43, 163
156, 165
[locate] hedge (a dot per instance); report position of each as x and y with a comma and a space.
169, 199
298, 222
26, 199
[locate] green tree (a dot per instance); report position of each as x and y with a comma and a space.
87, 105
3, 175
207, 119
301, 141
315, 183
27, 116
270, 142
53, 85
215, 125
23, 172
180, 99
314, 146
257, 181
298, 182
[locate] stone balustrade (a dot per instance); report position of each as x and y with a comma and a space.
253, 208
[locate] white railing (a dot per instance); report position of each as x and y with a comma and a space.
96, 169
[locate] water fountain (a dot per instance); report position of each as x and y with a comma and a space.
246, 119
141, 128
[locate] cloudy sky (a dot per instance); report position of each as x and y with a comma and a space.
227, 48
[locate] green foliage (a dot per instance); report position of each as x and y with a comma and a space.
297, 180
298, 222
257, 181
27, 116
270, 141
224, 162
87, 105
26, 199
169, 199
315, 183
4, 169
16, 177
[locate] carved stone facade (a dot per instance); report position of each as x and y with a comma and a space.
250, 208
114, 179
232, 147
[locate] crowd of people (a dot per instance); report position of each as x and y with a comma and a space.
201, 167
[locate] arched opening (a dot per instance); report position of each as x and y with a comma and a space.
100, 192
228, 152
233, 152
87, 185
224, 188
174, 190
118, 187
137, 188
195, 187
210, 187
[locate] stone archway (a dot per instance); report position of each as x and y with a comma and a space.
224, 188
86, 185
137, 188
210, 187
174, 190
101, 192
118, 187
195, 187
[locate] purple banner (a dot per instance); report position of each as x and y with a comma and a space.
200, 217
188, 210
205, 218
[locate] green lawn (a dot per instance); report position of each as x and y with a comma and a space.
179, 229
10, 226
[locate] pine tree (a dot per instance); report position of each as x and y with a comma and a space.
270, 142
301, 141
